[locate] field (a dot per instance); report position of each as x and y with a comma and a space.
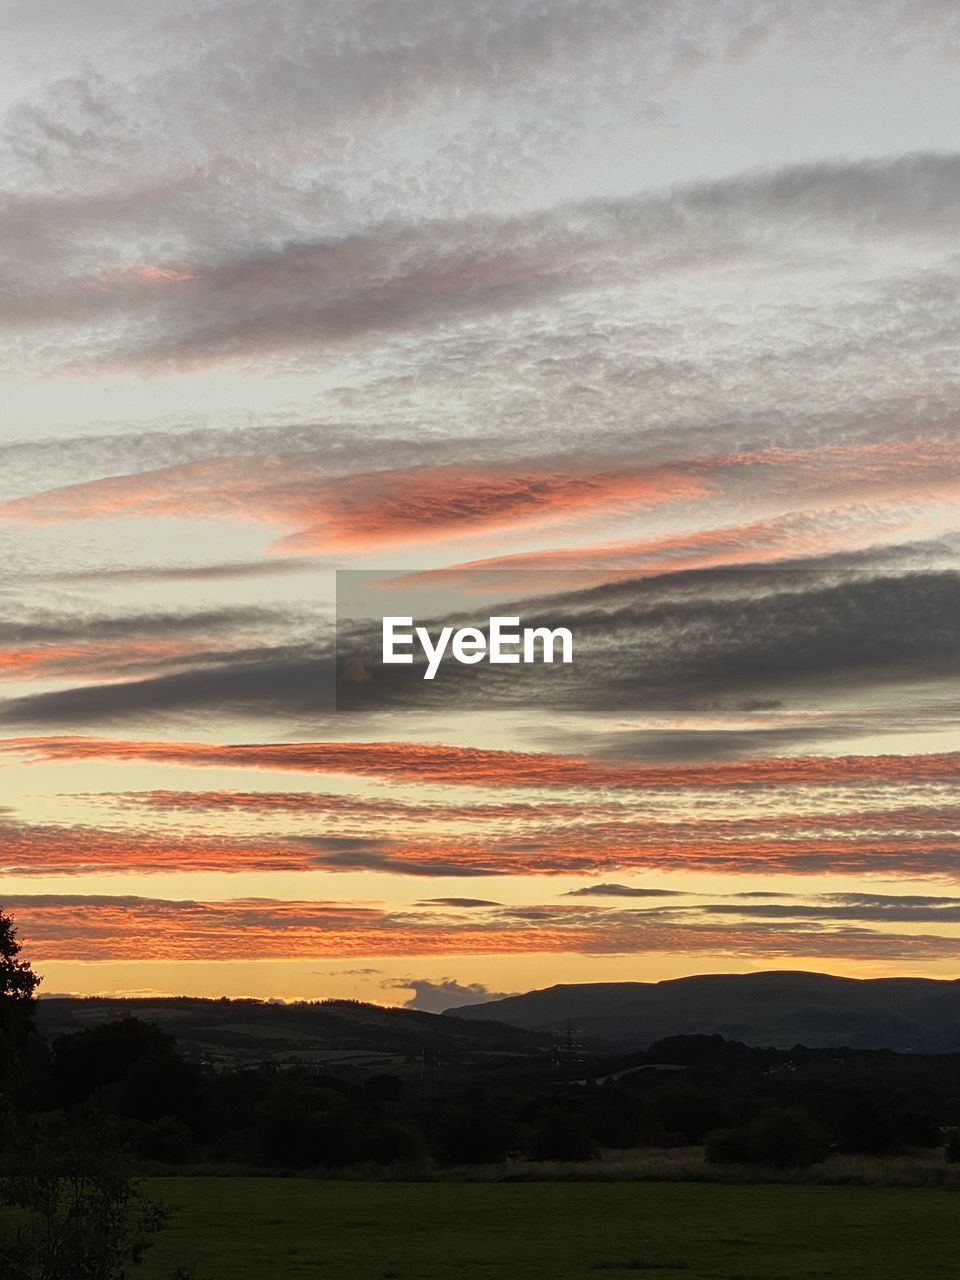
278, 1229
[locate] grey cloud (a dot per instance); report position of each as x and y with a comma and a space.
435, 996
621, 891
710, 640
393, 278
695, 641
173, 573
761, 893
890, 899
904, 913
39, 625
466, 903
289, 683
346, 854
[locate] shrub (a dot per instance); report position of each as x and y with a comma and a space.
474, 1136
79, 1213
783, 1138
559, 1135
786, 1139
728, 1146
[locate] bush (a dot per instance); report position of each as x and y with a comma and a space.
782, 1138
300, 1128
864, 1123
385, 1089
79, 1212
559, 1135
728, 1146
168, 1140
689, 1111
952, 1144
394, 1143
475, 1136
786, 1139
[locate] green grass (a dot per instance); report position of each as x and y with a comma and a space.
279, 1229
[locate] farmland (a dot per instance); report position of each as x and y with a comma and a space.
285, 1229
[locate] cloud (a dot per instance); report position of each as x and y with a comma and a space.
371, 509
466, 903
368, 809
613, 394
51, 643
441, 858
620, 891
856, 495
307, 295
227, 571
438, 996
734, 638
868, 907
846, 830
287, 681
113, 928
45, 849
840, 528
473, 766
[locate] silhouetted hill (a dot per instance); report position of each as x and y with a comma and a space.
341, 1033
775, 1008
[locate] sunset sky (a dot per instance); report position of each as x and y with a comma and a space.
640, 317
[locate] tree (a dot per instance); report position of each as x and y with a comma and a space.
89, 1060
78, 1212
781, 1137
728, 1146
688, 1110
787, 1138
18, 982
864, 1122
474, 1135
559, 1135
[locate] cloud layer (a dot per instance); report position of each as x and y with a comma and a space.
501, 304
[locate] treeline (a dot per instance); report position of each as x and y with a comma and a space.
744, 1104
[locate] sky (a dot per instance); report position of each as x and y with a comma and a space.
637, 318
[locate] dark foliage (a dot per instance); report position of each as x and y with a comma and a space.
22, 1054
782, 1138
561, 1135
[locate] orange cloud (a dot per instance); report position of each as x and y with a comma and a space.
45, 662
365, 808
57, 928
369, 509
48, 849
471, 766
326, 510
913, 841
753, 543
835, 482
147, 273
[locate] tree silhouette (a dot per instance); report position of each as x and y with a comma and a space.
18, 982
79, 1213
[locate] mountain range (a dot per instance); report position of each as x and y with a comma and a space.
778, 1008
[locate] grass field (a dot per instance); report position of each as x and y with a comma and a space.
278, 1229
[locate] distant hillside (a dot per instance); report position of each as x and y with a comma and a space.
777, 1008
338, 1033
